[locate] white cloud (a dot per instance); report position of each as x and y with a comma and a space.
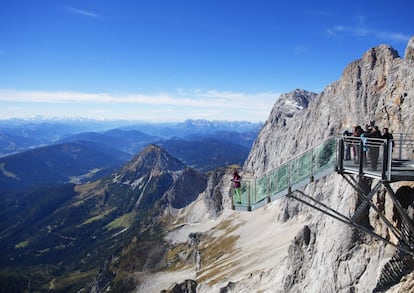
396, 37
193, 103
82, 12
341, 30
361, 30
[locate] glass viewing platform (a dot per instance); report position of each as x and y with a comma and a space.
386, 160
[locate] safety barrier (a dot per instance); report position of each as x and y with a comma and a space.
295, 173
387, 160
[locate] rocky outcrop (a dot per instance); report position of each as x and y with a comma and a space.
409, 52
380, 87
279, 133
217, 190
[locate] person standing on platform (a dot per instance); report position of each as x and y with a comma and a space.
374, 146
390, 143
388, 136
237, 186
358, 131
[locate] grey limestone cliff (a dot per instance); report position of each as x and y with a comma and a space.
380, 87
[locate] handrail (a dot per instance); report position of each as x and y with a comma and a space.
377, 157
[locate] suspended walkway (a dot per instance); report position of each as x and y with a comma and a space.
294, 174
360, 161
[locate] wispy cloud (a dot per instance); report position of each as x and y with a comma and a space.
348, 31
392, 36
182, 103
82, 12
341, 30
360, 29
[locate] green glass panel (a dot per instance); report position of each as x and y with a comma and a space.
292, 172
325, 155
246, 189
262, 188
281, 178
300, 168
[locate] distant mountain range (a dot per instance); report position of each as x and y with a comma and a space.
17, 135
45, 153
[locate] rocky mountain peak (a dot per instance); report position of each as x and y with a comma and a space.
277, 129
153, 159
156, 176
409, 52
379, 55
294, 101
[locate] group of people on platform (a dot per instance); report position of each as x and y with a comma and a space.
371, 150
371, 131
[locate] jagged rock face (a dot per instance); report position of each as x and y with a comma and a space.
409, 52
186, 188
217, 190
377, 87
278, 131
380, 87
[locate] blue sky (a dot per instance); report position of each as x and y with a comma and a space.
165, 60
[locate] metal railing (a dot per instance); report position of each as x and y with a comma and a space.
376, 157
